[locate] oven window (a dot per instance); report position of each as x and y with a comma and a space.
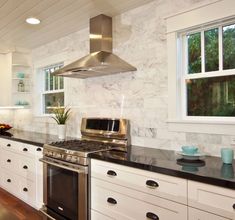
62, 191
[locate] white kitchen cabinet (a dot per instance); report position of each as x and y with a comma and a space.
21, 171
167, 187
213, 199
195, 214
122, 203
121, 193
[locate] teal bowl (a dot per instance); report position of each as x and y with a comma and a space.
189, 150
20, 75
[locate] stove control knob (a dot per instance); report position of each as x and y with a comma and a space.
57, 155
74, 159
69, 157
49, 153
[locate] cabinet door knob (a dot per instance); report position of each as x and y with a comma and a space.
8, 161
25, 189
8, 180
8, 145
234, 206
111, 173
25, 149
152, 184
152, 216
39, 149
25, 167
111, 201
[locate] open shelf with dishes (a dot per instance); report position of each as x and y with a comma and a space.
21, 80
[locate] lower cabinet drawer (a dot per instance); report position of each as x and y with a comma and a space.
27, 149
27, 191
19, 186
156, 184
9, 182
213, 199
8, 145
98, 216
27, 168
9, 160
121, 203
195, 214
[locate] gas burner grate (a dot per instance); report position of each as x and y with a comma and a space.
81, 145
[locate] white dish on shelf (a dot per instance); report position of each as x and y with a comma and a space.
195, 156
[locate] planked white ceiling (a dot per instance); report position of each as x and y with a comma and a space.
58, 18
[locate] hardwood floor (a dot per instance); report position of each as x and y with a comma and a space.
12, 208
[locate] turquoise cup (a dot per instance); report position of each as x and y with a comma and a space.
227, 155
227, 171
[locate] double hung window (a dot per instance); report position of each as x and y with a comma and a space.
208, 71
53, 92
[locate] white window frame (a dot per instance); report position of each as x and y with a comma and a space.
184, 69
201, 16
44, 91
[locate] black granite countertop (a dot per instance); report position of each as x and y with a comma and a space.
34, 138
210, 170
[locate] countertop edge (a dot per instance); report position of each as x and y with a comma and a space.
22, 141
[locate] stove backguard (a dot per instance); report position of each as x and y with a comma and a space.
107, 130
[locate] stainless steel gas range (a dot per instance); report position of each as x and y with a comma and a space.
66, 167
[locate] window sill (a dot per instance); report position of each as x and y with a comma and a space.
202, 126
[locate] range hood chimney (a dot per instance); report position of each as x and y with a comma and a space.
101, 61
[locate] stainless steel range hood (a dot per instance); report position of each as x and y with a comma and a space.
101, 61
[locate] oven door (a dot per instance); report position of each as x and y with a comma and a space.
64, 190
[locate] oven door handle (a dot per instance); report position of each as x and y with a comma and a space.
62, 166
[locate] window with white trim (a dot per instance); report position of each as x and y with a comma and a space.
53, 92
208, 71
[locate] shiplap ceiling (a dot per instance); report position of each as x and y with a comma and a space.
58, 18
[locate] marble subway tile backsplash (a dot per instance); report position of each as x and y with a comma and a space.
144, 132
204, 138
139, 37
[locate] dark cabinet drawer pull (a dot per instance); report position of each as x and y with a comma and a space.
234, 206
152, 184
8, 161
25, 189
152, 216
111, 173
8, 180
39, 149
8, 145
25, 149
111, 201
25, 167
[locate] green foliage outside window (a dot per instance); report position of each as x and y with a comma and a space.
213, 96
229, 47
211, 50
194, 53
